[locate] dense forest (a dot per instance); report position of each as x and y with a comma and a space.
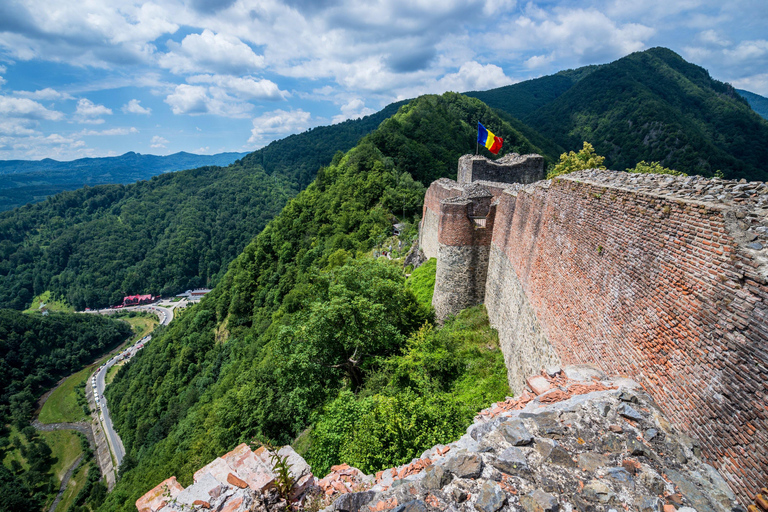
306, 329
651, 106
35, 352
173, 232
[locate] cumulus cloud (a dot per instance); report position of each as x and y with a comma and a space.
158, 142
587, 34
134, 107
246, 87
276, 124
210, 52
354, 109
88, 112
473, 76
47, 94
26, 108
197, 100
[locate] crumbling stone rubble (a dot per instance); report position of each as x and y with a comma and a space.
578, 440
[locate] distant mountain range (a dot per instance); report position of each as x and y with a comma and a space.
29, 181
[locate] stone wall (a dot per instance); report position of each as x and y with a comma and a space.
526, 349
659, 278
511, 168
464, 236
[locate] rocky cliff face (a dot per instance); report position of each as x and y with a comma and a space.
579, 441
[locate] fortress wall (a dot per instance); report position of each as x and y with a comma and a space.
462, 262
437, 191
665, 290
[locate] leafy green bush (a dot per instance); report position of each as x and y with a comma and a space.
644, 167
586, 158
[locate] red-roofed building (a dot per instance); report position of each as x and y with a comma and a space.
134, 300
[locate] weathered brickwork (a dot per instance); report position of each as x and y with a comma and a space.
438, 191
525, 347
464, 237
634, 278
511, 168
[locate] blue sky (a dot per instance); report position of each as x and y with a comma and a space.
101, 77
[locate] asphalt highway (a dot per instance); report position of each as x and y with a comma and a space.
165, 315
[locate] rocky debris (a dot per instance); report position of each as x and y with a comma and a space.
415, 256
595, 445
239, 481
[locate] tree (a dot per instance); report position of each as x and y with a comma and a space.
586, 158
644, 167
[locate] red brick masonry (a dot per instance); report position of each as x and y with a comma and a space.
668, 288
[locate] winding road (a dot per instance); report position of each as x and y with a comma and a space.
165, 315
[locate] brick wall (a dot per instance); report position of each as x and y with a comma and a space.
462, 261
443, 188
668, 290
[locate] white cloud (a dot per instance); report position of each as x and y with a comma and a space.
473, 76
47, 94
158, 142
278, 123
210, 52
755, 83
88, 112
196, 100
748, 50
110, 131
247, 87
2, 81
17, 127
134, 107
714, 37
354, 109
27, 109
587, 34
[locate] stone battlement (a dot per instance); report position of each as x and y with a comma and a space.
511, 168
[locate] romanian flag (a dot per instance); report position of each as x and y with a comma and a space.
488, 139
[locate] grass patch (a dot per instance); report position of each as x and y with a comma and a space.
75, 485
51, 303
422, 282
15, 453
65, 448
113, 371
142, 325
62, 405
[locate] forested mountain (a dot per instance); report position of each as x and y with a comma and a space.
175, 231
30, 181
758, 103
304, 317
651, 106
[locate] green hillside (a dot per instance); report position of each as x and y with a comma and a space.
524, 98
173, 232
305, 317
651, 106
